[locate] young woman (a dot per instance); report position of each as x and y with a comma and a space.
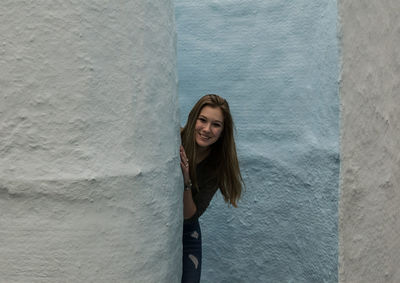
208, 162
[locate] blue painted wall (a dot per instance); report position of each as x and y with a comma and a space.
277, 64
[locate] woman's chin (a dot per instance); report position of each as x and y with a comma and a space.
202, 144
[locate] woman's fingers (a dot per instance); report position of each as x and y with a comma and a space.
184, 166
184, 159
183, 155
185, 171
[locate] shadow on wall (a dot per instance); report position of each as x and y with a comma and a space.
285, 227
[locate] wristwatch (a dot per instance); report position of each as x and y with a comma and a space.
188, 187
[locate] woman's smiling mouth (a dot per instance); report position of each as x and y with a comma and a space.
204, 137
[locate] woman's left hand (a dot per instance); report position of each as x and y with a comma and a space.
184, 166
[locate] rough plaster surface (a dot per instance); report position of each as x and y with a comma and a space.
89, 142
370, 141
277, 64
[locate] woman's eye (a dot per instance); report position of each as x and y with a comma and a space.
202, 119
217, 125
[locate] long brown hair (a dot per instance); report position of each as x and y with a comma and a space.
223, 151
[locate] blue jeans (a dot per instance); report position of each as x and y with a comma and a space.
191, 260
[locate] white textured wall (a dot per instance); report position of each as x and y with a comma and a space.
89, 175
369, 229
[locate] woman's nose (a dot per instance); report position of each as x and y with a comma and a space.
207, 127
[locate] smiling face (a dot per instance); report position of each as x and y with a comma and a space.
209, 126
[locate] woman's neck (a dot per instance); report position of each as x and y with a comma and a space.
202, 153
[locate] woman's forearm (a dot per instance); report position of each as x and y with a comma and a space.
189, 207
